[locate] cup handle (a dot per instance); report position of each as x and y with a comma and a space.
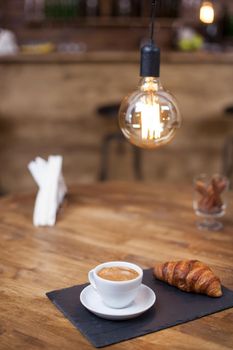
91, 279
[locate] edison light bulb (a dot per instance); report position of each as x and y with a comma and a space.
207, 12
149, 116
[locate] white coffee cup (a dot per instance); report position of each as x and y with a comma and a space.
116, 294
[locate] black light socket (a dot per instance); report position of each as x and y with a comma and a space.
150, 61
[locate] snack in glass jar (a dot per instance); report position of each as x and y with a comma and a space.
209, 200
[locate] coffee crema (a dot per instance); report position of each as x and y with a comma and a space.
118, 273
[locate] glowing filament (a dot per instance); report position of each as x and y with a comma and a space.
151, 127
207, 12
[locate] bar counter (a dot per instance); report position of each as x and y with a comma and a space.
40, 91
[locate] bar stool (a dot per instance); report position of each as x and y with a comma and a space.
227, 155
109, 114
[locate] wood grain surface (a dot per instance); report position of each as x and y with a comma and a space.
140, 223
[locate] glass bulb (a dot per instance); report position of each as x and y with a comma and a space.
207, 12
149, 116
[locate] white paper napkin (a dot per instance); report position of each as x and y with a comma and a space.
52, 189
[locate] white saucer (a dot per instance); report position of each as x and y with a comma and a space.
143, 301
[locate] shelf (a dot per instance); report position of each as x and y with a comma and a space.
126, 22
131, 57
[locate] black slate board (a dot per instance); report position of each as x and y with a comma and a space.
172, 307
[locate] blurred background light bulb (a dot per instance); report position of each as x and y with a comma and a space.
207, 12
149, 116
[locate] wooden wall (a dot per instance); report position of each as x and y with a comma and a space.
51, 109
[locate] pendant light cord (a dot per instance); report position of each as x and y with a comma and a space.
150, 53
153, 8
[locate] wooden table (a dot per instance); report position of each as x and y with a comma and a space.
127, 221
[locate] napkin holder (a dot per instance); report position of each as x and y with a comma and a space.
52, 189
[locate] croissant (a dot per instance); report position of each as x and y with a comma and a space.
189, 276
